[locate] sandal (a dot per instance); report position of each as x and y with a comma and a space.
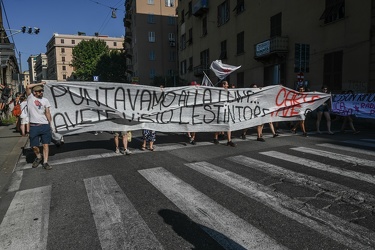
151, 149
143, 148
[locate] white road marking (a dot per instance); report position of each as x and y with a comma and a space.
335, 156
25, 224
346, 233
347, 148
15, 182
321, 166
226, 228
361, 143
364, 200
118, 223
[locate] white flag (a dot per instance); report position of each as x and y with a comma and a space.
206, 80
222, 70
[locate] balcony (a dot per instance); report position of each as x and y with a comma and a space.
200, 7
275, 46
198, 70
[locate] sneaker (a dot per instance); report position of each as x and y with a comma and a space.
46, 166
216, 141
260, 139
305, 135
127, 152
243, 136
117, 151
96, 133
37, 161
192, 142
230, 143
275, 135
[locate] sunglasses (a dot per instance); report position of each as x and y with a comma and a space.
39, 91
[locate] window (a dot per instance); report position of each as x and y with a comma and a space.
73, 41
223, 13
62, 50
240, 42
205, 59
150, 1
190, 65
172, 56
240, 80
63, 58
152, 73
169, 3
204, 26
170, 72
150, 18
190, 40
183, 67
182, 16
64, 68
332, 75
190, 9
115, 44
171, 37
62, 40
301, 58
335, 10
183, 41
64, 77
276, 25
151, 36
240, 7
223, 50
151, 56
171, 20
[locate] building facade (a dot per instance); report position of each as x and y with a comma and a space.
327, 42
151, 41
41, 67
60, 53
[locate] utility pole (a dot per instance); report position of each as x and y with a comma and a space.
21, 73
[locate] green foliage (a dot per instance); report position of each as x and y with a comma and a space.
86, 56
111, 67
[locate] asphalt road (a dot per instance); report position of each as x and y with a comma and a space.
289, 192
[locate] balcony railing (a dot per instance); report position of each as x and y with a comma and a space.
200, 7
275, 45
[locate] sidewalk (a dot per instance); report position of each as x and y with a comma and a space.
11, 144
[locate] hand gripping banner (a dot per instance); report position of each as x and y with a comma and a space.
79, 107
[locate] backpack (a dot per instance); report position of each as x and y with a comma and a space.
16, 110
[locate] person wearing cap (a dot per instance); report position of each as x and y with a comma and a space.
40, 123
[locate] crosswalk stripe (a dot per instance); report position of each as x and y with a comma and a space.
118, 223
335, 156
25, 224
364, 200
321, 166
347, 148
361, 143
331, 226
15, 183
226, 228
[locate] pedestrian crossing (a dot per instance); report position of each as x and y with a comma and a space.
119, 225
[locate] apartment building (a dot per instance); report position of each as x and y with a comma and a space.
26, 79
31, 62
60, 53
276, 41
151, 41
41, 67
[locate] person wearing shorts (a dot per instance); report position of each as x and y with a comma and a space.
125, 140
40, 123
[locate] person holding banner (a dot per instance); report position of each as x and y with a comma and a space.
125, 141
324, 110
225, 85
301, 122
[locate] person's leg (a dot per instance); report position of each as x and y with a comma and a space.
302, 124
260, 133
318, 119
23, 129
273, 130
151, 145
117, 150
216, 136
125, 140
328, 118
45, 152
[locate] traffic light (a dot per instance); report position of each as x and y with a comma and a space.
23, 29
30, 30
36, 30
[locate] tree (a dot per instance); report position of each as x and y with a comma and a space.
86, 56
112, 67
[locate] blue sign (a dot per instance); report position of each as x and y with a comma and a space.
96, 78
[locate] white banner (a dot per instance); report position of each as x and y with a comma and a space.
359, 105
92, 106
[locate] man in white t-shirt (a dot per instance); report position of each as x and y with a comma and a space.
40, 123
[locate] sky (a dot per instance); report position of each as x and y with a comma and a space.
59, 16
